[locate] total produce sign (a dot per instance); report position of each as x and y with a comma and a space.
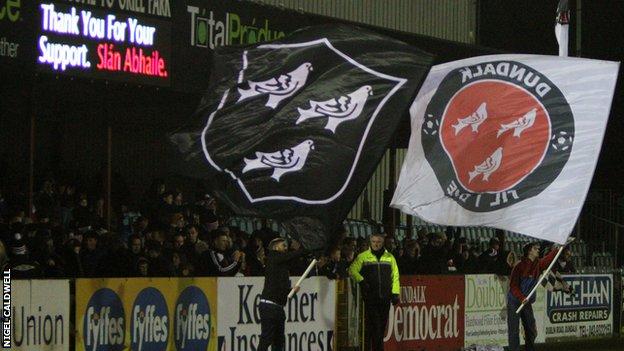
103, 43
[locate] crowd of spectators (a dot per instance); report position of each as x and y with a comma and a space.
166, 236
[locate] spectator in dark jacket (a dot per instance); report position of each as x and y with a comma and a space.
470, 261
166, 209
489, 258
349, 247
142, 267
409, 263
136, 249
91, 255
159, 266
71, 257
564, 264
435, 255
82, 214
505, 259
181, 266
116, 260
255, 257
333, 267
51, 263
193, 247
21, 265
218, 262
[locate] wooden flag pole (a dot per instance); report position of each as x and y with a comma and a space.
305, 275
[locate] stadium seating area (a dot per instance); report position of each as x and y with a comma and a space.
584, 258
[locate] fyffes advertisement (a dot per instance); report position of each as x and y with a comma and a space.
155, 314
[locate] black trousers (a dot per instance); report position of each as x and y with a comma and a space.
375, 320
272, 321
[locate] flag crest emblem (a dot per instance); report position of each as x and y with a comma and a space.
296, 116
496, 133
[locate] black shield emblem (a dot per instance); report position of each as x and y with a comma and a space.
294, 129
304, 126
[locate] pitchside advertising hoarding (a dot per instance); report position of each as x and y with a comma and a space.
587, 313
310, 315
128, 41
486, 310
430, 314
40, 315
146, 314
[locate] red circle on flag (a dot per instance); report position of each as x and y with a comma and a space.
495, 133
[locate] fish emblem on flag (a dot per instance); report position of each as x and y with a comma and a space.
337, 110
516, 129
283, 161
519, 125
279, 88
489, 166
474, 120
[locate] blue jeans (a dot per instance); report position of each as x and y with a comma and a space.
513, 325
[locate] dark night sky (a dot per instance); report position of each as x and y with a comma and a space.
528, 27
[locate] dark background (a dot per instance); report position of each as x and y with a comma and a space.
528, 27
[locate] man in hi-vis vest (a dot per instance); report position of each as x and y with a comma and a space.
377, 273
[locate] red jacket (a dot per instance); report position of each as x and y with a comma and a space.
525, 274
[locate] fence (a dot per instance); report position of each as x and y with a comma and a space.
436, 312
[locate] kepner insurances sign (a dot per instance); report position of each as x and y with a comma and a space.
310, 315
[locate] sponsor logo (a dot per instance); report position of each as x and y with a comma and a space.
10, 10
591, 300
210, 29
149, 327
192, 321
496, 133
104, 322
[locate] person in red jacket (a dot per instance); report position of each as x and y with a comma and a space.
523, 278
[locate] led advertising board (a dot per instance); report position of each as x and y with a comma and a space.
102, 43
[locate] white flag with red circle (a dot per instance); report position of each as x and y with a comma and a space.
506, 141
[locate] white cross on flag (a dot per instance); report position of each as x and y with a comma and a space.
507, 141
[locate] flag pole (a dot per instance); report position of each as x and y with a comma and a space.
561, 32
544, 275
305, 275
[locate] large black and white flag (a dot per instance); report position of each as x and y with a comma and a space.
292, 130
507, 141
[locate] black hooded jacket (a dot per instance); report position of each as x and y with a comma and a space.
276, 275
